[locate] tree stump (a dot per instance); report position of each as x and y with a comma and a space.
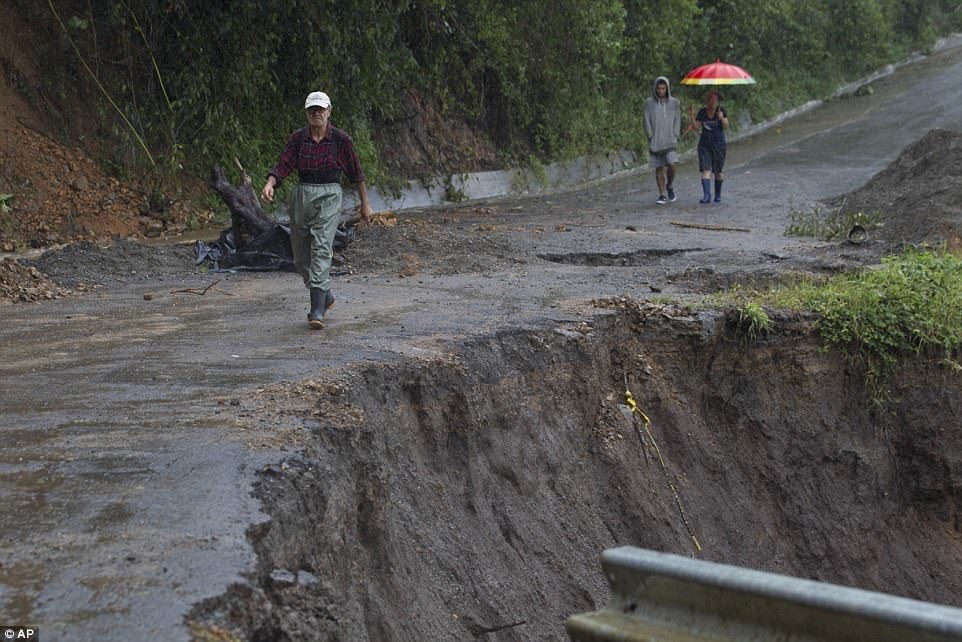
248, 220
254, 240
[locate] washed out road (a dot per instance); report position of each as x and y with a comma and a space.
128, 459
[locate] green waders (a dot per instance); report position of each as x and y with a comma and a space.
315, 211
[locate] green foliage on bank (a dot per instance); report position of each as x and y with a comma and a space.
205, 82
910, 305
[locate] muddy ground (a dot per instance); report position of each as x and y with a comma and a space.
448, 458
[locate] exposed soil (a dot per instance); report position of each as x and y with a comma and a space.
56, 191
59, 195
919, 195
466, 496
421, 143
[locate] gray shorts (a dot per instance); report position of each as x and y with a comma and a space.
660, 159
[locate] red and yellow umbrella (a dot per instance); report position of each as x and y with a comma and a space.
718, 73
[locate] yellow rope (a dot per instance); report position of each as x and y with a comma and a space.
631, 403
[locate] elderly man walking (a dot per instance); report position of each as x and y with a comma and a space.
319, 153
663, 126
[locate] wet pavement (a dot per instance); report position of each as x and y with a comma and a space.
127, 464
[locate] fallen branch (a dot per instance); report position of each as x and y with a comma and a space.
717, 228
495, 629
199, 291
245, 177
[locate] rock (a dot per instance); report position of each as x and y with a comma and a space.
305, 578
282, 578
153, 227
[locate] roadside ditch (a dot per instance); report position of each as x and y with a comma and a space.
470, 497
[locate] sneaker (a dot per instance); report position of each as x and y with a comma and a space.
671, 195
661, 200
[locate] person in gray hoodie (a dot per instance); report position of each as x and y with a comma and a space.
663, 126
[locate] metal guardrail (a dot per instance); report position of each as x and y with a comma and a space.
657, 597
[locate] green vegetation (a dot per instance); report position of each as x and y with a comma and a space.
452, 193
829, 225
753, 321
912, 304
188, 84
5, 200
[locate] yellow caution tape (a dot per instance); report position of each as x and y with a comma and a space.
633, 405
630, 402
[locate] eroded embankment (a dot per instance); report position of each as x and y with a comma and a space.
473, 496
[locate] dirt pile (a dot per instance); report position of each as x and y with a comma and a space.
59, 194
86, 263
53, 190
22, 283
919, 195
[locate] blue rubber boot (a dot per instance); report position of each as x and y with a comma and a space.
706, 190
718, 190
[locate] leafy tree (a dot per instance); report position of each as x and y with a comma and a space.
203, 82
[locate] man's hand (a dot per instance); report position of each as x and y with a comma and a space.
268, 191
367, 214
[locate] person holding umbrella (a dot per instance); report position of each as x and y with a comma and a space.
712, 144
662, 125
713, 121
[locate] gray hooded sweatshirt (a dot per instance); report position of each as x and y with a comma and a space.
662, 119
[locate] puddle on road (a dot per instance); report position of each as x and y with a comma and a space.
26, 493
18, 583
599, 259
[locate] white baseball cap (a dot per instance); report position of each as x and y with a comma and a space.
317, 99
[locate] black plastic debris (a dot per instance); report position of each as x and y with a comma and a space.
270, 251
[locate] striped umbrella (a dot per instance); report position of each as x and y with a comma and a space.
718, 73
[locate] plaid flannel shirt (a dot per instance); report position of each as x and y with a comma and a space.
334, 151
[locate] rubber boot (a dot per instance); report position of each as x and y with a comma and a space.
706, 191
718, 183
315, 317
